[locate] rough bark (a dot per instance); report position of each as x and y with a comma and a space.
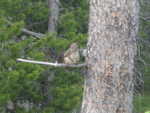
113, 26
53, 15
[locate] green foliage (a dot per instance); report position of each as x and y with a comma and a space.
147, 112
67, 93
74, 18
142, 103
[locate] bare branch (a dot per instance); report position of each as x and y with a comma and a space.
145, 18
51, 64
24, 30
37, 35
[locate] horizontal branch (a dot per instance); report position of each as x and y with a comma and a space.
145, 18
37, 35
51, 64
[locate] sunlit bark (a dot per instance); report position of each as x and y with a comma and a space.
113, 26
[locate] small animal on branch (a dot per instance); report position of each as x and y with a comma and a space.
72, 56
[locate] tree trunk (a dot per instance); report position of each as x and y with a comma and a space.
113, 27
53, 15
52, 28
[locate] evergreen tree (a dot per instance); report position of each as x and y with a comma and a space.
25, 87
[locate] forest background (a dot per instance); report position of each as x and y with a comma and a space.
41, 89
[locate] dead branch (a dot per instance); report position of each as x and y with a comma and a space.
24, 30
37, 35
51, 64
145, 18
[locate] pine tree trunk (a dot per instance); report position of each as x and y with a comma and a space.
53, 15
113, 27
52, 28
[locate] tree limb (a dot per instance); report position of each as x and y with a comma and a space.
51, 64
24, 30
145, 18
37, 35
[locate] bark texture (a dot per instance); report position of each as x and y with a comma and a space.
113, 26
53, 15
